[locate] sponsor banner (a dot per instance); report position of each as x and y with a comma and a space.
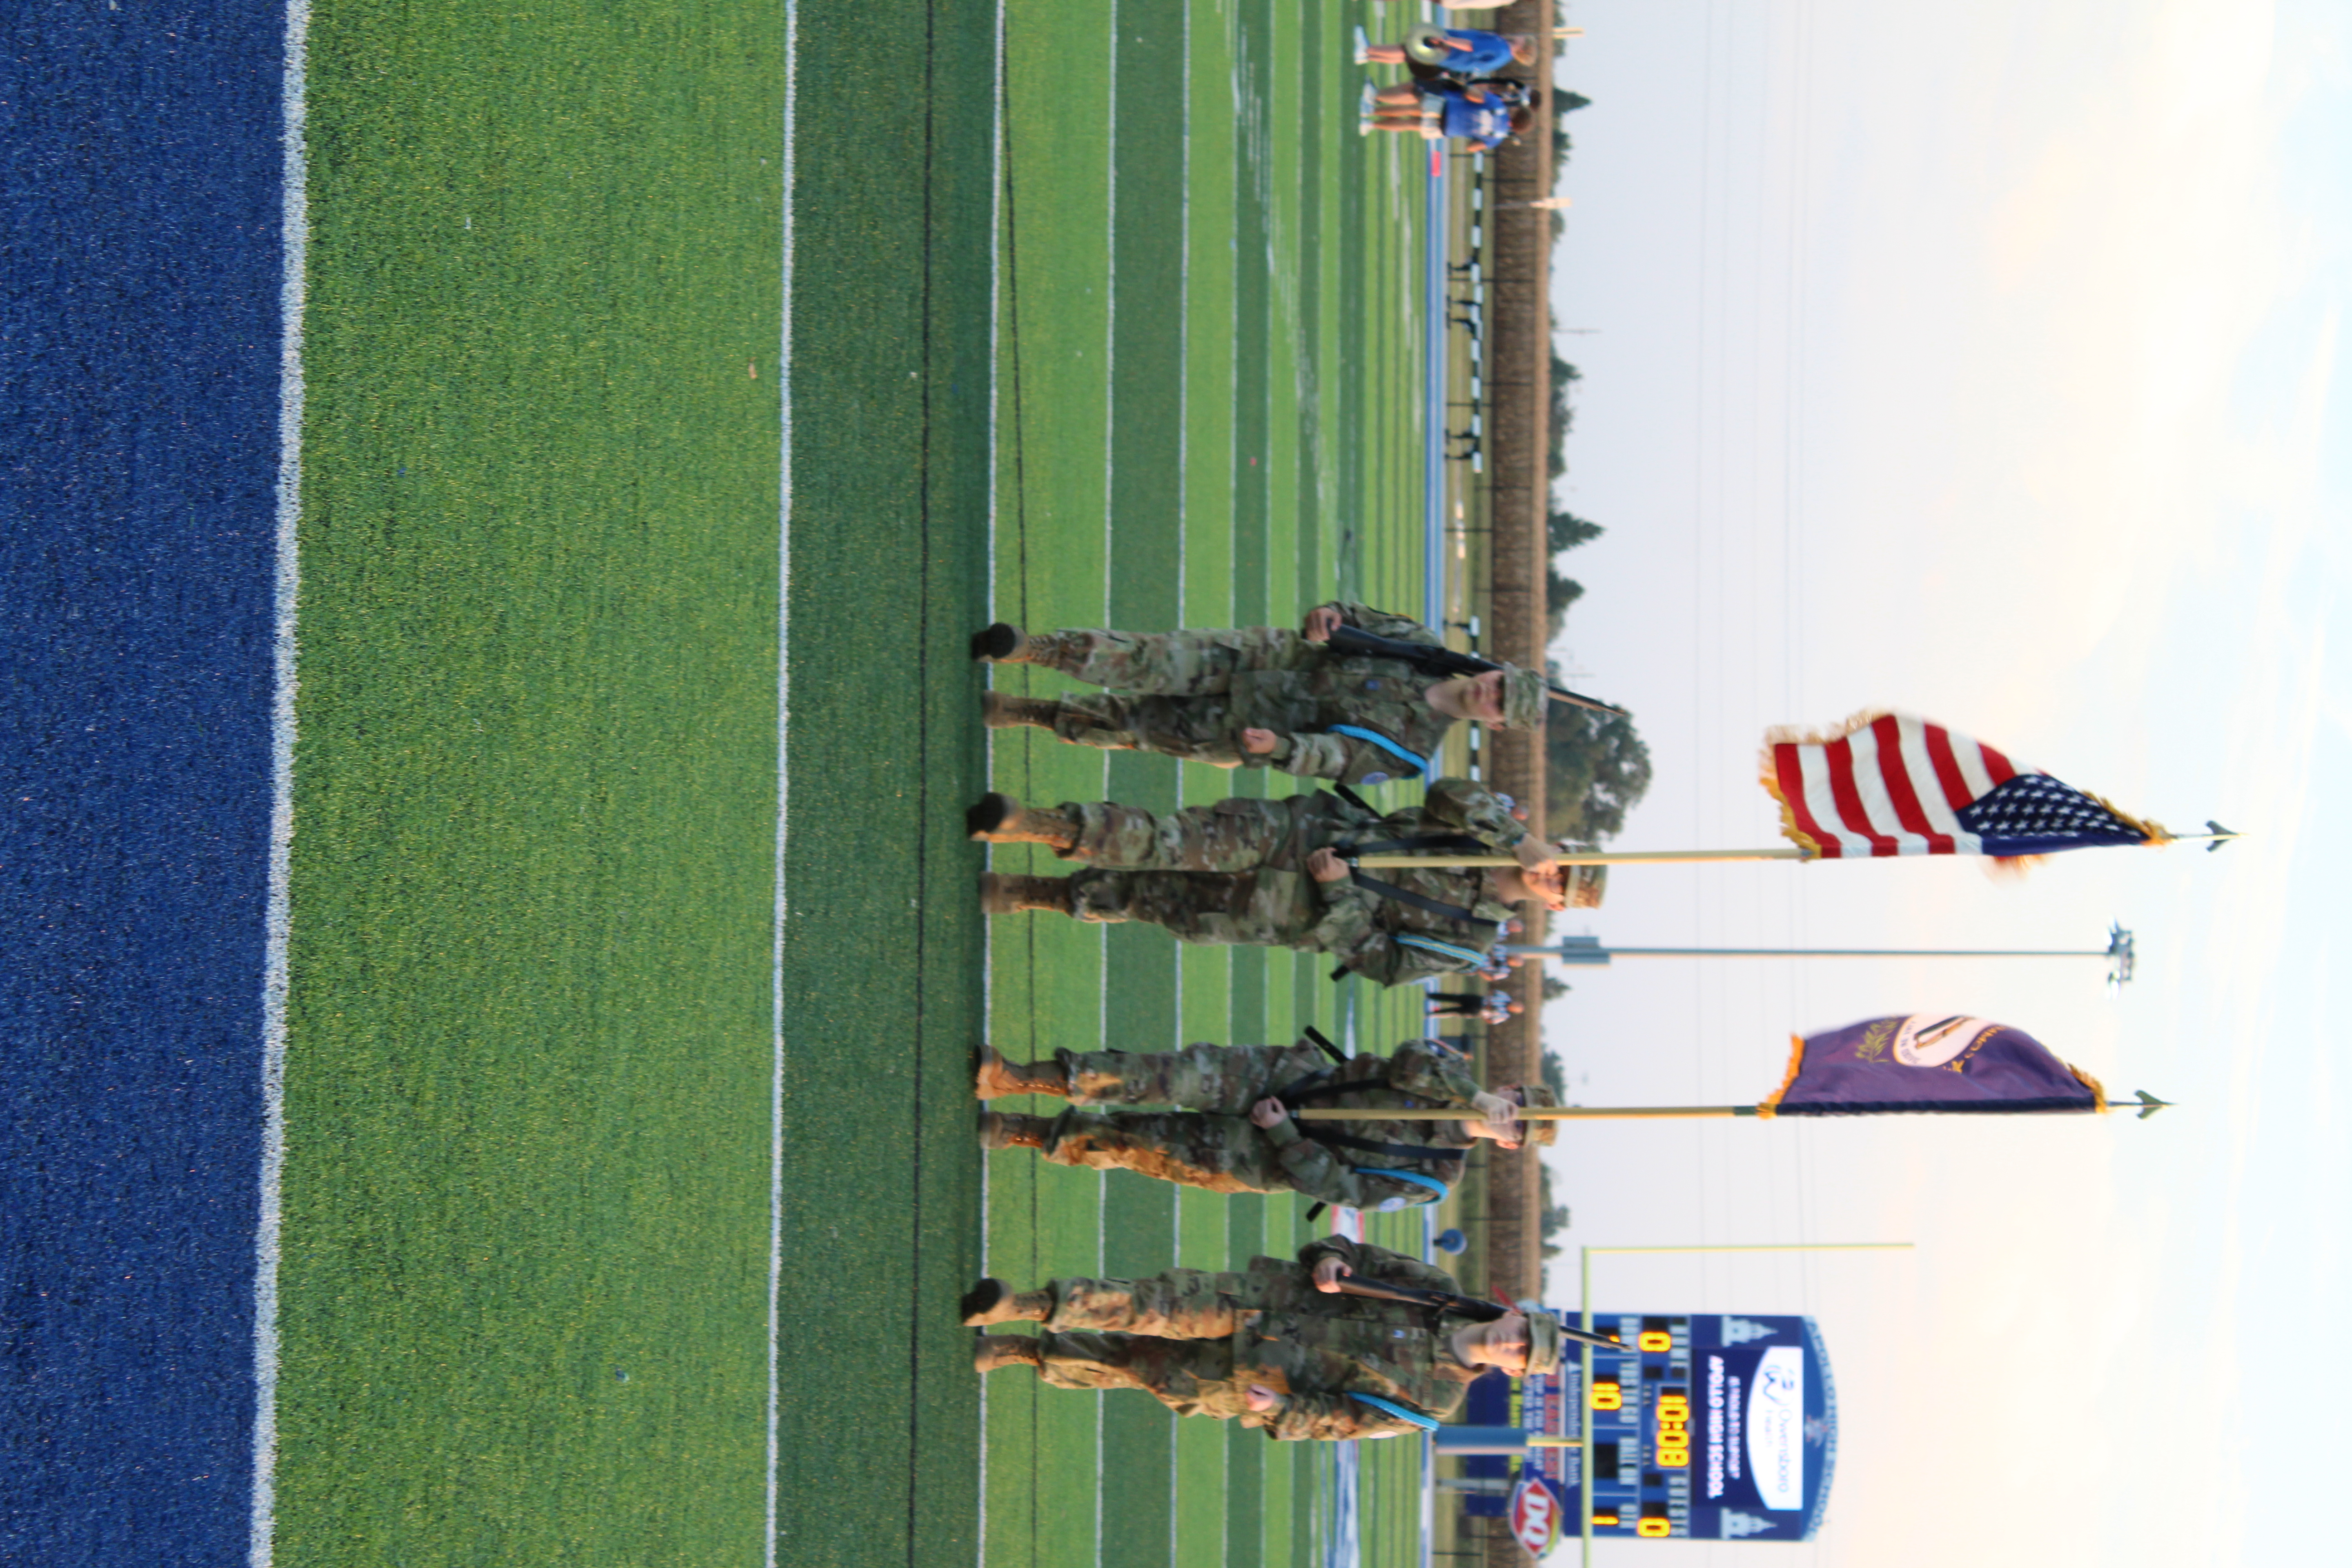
1535, 1515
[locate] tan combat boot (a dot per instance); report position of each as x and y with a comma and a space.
990, 1351
1010, 1132
1001, 893
1001, 819
993, 1077
1003, 711
990, 1302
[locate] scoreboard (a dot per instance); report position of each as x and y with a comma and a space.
1713, 1427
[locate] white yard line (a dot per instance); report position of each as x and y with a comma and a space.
784, 789
1111, 422
1183, 521
294, 222
987, 927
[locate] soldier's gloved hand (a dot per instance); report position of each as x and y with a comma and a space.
1324, 866
1535, 855
1261, 1399
1328, 1273
1266, 1112
1258, 743
1495, 1109
1320, 622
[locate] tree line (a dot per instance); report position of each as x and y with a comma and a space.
1596, 766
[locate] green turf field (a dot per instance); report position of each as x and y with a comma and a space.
1070, 342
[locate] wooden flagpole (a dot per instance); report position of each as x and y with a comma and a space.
1539, 1113
1584, 858
2219, 836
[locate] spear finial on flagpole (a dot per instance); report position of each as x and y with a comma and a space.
2149, 1104
2217, 833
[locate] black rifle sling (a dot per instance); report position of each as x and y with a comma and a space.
1315, 1085
1457, 912
1317, 1038
1314, 1129
1354, 642
1460, 842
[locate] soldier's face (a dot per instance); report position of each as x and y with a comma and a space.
1483, 700
1504, 1343
1548, 884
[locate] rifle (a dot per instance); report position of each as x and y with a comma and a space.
1358, 643
1469, 1307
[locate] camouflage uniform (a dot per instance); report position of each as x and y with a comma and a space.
1191, 693
1235, 873
1196, 1340
1211, 1142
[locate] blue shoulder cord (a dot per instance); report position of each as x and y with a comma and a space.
1436, 1188
1358, 732
1426, 1423
1446, 949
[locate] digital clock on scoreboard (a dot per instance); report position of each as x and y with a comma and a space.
1717, 1427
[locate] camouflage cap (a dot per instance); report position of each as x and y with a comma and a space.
1544, 1342
1524, 697
1586, 886
1538, 1135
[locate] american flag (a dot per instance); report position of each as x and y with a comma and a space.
1887, 783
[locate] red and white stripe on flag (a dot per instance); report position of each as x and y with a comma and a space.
1888, 785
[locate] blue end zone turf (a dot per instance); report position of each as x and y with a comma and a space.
139, 341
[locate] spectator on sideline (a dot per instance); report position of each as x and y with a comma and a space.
1483, 116
1469, 53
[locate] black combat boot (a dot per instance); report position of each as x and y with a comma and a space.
1001, 819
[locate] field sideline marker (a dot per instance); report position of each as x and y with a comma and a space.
783, 779
294, 222
988, 934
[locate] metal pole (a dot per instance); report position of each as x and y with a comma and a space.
1584, 1322
1586, 952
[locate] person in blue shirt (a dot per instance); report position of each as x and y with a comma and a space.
1483, 116
1468, 53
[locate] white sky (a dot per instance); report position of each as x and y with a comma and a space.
1979, 361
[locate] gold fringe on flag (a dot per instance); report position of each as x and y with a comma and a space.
2099, 1091
1797, 735
2156, 835
1770, 1104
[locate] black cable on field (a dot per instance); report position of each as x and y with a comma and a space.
922, 784
1009, 275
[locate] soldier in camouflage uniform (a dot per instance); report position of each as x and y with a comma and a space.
1269, 873
1232, 1131
1269, 1345
1260, 696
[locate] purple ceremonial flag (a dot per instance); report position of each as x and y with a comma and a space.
1929, 1062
